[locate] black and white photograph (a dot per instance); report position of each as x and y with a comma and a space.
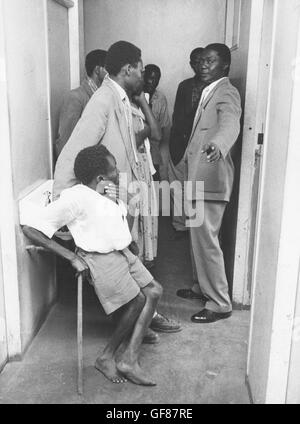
149, 235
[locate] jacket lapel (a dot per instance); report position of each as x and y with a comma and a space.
203, 106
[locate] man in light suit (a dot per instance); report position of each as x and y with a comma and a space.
215, 130
76, 100
107, 119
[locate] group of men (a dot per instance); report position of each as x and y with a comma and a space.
96, 144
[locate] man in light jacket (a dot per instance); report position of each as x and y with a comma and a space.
207, 158
107, 119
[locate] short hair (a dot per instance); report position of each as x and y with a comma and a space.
93, 59
197, 50
153, 68
90, 162
121, 53
223, 51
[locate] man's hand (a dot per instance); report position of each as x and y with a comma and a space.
139, 99
213, 152
118, 192
80, 266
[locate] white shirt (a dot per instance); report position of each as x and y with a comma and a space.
96, 223
127, 109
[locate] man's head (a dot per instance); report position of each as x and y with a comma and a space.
215, 62
94, 65
151, 78
124, 62
195, 60
94, 164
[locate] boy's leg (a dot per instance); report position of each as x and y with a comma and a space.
128, 315
128, 363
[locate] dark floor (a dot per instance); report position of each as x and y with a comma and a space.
202, 364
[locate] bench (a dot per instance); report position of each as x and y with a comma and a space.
41, 196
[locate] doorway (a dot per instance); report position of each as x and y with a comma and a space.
182, 28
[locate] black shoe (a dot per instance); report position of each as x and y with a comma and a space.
205, 316
190, 294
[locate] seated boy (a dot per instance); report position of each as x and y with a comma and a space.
98, 224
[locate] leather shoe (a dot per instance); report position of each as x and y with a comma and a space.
163, 324
190, 294
205, 316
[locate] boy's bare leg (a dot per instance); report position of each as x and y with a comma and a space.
128, 364
128, 315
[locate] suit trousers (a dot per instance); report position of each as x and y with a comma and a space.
208, 260
176, 173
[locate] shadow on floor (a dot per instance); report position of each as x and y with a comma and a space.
202, 364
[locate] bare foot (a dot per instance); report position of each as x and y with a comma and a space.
109, 370
135, 374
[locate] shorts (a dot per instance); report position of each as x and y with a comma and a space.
117, 277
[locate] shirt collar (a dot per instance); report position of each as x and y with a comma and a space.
92, 84
211, 86
120, 90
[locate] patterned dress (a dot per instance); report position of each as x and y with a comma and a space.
148, 217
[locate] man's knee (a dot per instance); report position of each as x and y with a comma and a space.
139, 301
154, 290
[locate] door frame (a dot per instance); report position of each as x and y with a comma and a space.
241, 292
7, 216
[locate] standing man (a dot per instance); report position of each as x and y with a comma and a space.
208, 159
187, 99
107, 119
76, 100
159, 106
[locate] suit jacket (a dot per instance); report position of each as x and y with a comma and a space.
183, 118
73, 105
217, 122
102, 121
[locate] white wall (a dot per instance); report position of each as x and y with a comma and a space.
27, 70
166, 31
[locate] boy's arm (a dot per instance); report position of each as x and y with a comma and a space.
42, 240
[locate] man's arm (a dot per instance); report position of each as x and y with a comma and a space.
155, 131
164, 121
42, 240
88, 131
229, 113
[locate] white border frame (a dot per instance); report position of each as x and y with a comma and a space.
241, 294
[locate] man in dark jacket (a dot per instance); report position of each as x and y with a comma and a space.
187, 98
